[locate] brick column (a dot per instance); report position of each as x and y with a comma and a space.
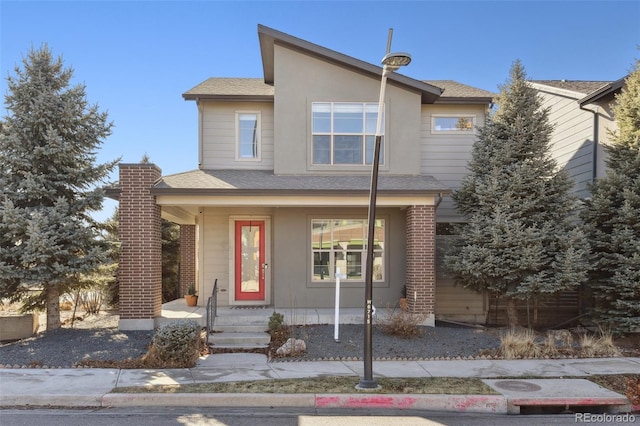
140, 271
187, 257
421, 262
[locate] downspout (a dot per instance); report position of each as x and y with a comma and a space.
439, 201
200, 121
584, 293
596, 141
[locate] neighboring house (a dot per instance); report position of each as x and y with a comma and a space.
581, 113
280, 196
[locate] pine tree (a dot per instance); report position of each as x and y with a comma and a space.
170, 233
520, 241
49, 181
612, 217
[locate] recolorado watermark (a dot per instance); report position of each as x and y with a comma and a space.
604, 418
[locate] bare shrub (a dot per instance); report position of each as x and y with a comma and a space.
91, 300
520, 344
401, 323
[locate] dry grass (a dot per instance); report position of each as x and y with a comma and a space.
525, 343
520, 343
427, 385
601, 345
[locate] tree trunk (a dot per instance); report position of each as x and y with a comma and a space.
53, 307
512, 313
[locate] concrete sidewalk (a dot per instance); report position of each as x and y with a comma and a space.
91, 387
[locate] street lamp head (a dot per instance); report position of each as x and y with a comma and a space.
393, 61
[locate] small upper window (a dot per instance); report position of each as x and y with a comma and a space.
452, 123
248, 136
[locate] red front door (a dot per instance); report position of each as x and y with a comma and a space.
250, 260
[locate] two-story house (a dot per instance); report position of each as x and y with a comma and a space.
279, 199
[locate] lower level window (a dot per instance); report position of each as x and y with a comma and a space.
341, 243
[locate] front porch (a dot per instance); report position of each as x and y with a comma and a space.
264, 248
235, 316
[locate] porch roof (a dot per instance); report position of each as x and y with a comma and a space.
265, 182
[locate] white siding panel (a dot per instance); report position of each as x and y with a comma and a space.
215, 244
572, 139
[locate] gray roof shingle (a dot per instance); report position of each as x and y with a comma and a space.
453, 89
580, 86
252, 87
230, 87
265, 181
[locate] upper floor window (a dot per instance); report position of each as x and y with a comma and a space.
452, 123
344, 132
248, 135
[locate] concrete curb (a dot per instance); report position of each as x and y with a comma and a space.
458, 403
208, 400
495, 404
75, 401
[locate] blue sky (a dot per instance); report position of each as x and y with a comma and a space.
137, 58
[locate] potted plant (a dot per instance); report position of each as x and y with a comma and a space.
192, 295
403, 298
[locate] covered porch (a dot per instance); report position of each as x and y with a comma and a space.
220, 210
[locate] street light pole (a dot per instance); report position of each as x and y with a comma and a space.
390, 62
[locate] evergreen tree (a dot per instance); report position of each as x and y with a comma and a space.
520, 241
612, 217
170, 260
49, 181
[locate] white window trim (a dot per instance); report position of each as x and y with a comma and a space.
453, 132
332, 165
258, 115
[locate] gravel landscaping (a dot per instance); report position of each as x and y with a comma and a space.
97, 338
434, 342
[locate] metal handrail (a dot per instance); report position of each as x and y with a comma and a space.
212, 309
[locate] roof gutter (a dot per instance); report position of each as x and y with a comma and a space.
605, 90
257, 192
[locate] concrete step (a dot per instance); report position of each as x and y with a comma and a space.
248, 340
227, 320
240, 328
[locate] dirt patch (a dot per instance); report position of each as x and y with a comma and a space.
624, 384
426, 385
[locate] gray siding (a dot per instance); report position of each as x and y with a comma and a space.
292, 261
301, 80
445, 156
218, 135
455, 302
289, 254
